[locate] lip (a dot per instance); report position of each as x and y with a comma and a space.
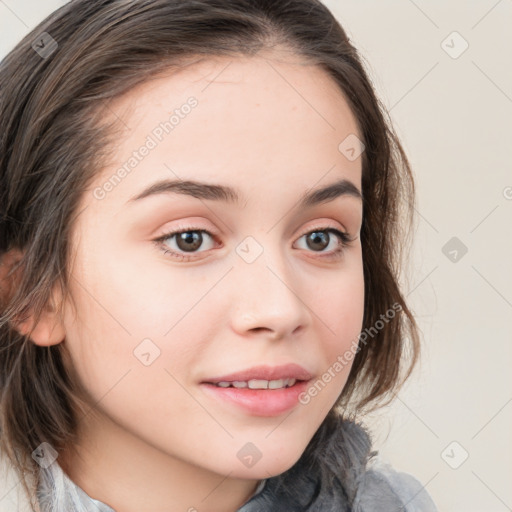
260, 402
264, 372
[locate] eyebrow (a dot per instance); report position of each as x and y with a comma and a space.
201, 190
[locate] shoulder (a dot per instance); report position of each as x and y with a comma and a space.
13, 497
383, 488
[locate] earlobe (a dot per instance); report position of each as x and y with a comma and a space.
49, 329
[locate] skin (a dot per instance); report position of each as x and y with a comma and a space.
269, 126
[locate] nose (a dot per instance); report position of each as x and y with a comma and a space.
267, 298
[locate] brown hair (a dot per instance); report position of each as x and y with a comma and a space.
52, 144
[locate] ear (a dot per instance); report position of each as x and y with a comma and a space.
49, 330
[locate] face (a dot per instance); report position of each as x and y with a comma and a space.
223, 272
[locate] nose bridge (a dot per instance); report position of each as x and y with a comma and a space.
267, 289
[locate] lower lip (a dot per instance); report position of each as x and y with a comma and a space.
259, 402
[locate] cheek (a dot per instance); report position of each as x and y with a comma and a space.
338, 302
148, 297
128, 317
340, 310
128, 372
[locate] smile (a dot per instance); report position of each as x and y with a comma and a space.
258, 384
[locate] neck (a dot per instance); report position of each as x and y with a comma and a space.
124, 472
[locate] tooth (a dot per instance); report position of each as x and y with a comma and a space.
275, 384
258, 384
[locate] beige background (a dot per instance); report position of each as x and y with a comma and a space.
453, 110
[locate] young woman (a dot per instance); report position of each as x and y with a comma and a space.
203, 207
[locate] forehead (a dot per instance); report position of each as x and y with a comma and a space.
268, 118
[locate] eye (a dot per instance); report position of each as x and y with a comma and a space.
320, 239
186, 242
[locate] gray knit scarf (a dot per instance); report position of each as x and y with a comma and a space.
337, 472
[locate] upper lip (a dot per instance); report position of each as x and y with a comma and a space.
265, 372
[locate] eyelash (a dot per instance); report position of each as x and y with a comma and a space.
336, 254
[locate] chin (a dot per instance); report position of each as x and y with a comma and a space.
272, 463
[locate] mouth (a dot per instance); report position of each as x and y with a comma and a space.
263, 376
257, 384
260, 391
